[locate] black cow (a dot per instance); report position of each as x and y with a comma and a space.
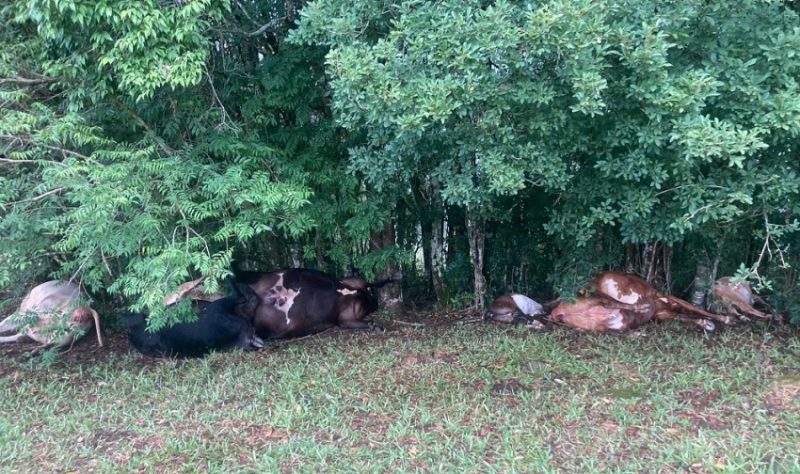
221, 325
295, 302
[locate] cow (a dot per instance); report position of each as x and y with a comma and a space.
296, 302
600, 313
514, 307
222, 325
56, 318
736, 299
622, 301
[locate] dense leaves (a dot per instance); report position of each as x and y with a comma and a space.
645, 120
144, 143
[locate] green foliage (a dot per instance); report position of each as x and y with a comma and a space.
146, 143
133, 47
646, 121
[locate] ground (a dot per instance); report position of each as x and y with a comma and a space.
432, 393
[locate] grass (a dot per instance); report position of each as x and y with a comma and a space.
442, 398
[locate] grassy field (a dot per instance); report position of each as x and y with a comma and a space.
440, 397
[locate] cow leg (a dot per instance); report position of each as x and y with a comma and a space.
8, 324
10, 339
706, 324
680, 305
741, 307
39, 350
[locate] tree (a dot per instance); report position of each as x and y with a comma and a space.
644, 121
144, 142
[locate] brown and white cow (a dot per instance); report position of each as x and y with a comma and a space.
622, 301
600, 313
295, 302
57, 318
514, 307
736, 299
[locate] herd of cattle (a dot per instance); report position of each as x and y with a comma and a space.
296, 302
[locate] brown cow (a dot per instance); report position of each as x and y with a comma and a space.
623, 301
296, 302
513, 307
54, 305
600, 313
736, 299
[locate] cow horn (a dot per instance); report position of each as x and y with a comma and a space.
96, 318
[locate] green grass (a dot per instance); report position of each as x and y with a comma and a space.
473, 398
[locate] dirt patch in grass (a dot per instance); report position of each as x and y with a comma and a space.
784, 394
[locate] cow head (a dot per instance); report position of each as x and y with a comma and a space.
83, 318
513, 307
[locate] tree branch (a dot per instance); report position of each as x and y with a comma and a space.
139, 120
269, 26
25, 81
39, 197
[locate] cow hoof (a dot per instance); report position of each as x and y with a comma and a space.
377, 327
256, 342
707, 326
535, 325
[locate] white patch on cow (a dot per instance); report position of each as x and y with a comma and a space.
617, 321
346, 292
527, 306
609, 287
287, 296
290, 296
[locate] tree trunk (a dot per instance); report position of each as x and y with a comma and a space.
649, 257
433, 238
476, 233
437, 256
390, 296
630, 257
701, 285
426, 231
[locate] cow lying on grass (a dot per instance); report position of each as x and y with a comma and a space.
616, 301
296, 302
646, 302
514, 307
736, 299
50, 315
221, 325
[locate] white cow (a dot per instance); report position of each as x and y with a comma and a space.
54, 306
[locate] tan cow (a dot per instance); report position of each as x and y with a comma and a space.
53, 305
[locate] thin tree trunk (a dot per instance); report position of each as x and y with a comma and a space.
701, 285
437, 256
426, 231
390, 296
650, 260
433, 238
630, 257
666, 264
476, 233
